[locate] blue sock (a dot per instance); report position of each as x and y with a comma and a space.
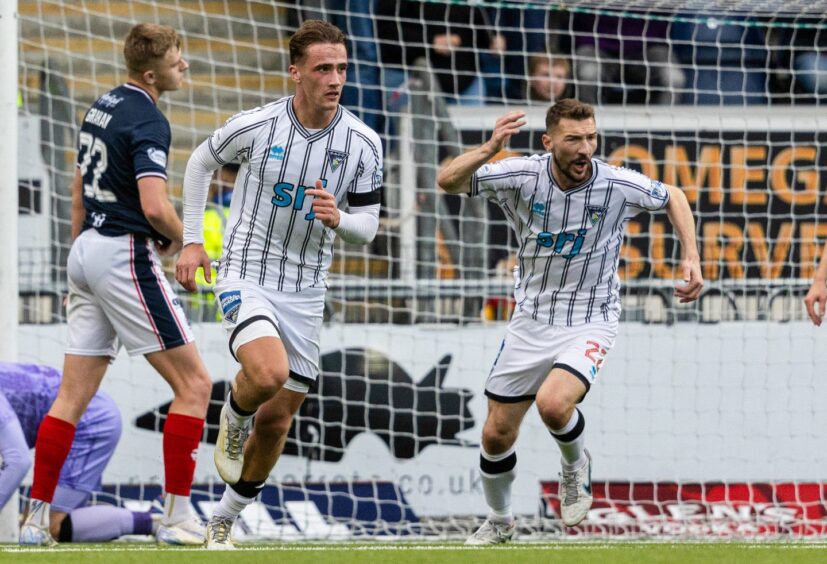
98, 523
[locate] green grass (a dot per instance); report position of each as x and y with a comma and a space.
449, 553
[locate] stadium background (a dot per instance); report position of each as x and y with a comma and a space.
707, 420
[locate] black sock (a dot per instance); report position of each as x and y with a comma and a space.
240, 412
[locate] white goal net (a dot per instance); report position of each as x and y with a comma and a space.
708, 419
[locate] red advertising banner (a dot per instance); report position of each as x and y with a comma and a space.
712, 509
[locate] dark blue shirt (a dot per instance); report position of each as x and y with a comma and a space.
123, 137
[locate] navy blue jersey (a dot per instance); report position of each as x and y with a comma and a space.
123, 137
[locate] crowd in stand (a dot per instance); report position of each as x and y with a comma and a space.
498, 55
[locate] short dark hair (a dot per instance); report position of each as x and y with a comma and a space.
568, 108
145, 44
311, 32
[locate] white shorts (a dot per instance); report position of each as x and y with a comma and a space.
118, 294
531, 349
251, 311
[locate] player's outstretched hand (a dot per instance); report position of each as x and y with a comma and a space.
506, 126
192, 257
693, 281
324, 205
816, 301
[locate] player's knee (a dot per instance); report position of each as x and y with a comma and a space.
555, 411
265, 380
498, 436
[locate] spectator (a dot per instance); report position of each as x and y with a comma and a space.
726, 62
548, 79
624, 60
521, 34
802, 52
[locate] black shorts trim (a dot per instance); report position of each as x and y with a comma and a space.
576, 373
303, 379
244, 324
509, 399
359, 199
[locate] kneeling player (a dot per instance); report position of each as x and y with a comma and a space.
26, 392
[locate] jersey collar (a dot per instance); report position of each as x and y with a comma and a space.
303, 130
576, 188
139, 89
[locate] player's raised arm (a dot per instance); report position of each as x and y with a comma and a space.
197, 178
816, 299
454, 177
680, 215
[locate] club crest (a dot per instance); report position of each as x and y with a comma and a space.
595, 213
336, 159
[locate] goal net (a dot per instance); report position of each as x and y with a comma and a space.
707, 420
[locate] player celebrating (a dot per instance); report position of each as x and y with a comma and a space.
302, 158
26, 392
568, 210
121, 220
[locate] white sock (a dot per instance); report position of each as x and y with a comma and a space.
176, 509
571, 439
232, 503
498, 472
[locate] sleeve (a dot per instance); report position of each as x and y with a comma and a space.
491, 178
231, 142
14, 452
150, 147
366, 187
197, 177
360, 225
643, 193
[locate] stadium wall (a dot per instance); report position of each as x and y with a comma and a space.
686, 403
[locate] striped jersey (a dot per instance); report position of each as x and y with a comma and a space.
569, 239
272, 237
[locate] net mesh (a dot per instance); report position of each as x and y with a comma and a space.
707, 420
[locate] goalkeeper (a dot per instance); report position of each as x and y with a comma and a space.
26, 392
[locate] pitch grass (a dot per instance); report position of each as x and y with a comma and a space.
437, 553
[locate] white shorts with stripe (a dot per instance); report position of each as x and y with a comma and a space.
251, 311
531, 349
118, 294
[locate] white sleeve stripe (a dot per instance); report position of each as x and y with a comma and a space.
151, 173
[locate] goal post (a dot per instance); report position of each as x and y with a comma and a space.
8, 216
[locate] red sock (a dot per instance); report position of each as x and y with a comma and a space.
54, 441
182, 433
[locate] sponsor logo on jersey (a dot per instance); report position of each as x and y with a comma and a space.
109, 100
539, 208
323, 429
158, 156
277, 152
595, 213
658, 190
230, 305
336, 159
